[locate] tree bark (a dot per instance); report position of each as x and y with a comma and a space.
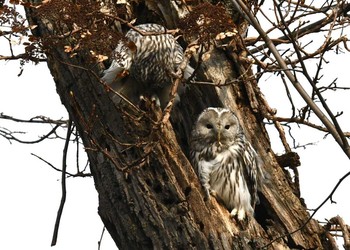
149, 194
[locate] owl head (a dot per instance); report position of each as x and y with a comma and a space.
122, 60
123, 54
218, 126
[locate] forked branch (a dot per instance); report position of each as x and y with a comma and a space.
282, 64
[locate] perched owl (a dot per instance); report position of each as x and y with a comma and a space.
145, 64
226, 163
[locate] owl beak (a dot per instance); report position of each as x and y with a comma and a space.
123, 74
219, 138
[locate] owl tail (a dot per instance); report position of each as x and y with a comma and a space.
112, 73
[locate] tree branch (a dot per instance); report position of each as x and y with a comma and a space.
303, 122
329, 197
100, 241
24, 56
313, 27
36, 119
331, 128
78, 174
63, 183
340, 225
343, 143
8, 135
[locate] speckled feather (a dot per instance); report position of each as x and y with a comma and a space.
227, 165
156, 57
152, 62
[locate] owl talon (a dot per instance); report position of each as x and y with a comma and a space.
146, 103
206, 195
239, 213
209, 193
213, 193
234, 212
155, 100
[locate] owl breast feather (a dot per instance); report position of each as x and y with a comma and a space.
226, 179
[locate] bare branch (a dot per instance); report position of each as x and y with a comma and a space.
78, 174
282, 136
311, 28
64, 191
337, 224
338, 133
36, 119
127, 23
9, 136
331, 128
179, 76
303, 122
23, 56
329, 197
100, 241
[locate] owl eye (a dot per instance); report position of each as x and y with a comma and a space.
227, 127
209, 126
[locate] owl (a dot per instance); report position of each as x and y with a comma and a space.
144, 64
227, 165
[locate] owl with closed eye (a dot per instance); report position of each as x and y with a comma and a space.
227, 165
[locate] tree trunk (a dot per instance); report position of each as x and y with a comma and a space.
149, 194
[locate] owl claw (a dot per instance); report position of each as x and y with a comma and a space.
207, 195
155, 100
213, 193
239, 213
234, 212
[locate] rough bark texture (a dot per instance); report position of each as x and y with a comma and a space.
149, 195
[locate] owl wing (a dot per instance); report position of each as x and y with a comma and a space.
203, 170
252, 172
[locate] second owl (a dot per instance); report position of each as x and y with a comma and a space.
145, 64
227, 165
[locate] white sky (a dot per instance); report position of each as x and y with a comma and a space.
31, 190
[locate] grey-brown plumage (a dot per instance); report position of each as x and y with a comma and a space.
148, 63
227, 165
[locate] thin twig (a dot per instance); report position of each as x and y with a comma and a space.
35, 119
63, 184
179, 74
313, 27
78, 174
331, 128
342, 141
329, 197
334, 130
143, 33
100, 241
9, 136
